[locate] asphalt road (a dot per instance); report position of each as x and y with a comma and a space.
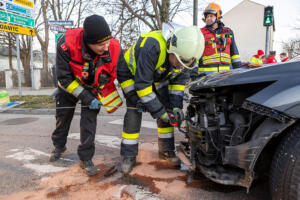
26, 144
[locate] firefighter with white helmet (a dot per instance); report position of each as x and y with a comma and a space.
154, 81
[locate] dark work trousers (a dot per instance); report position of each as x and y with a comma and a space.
132, 126
88, 123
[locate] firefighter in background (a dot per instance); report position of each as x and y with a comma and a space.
271, 59
257, 60
220, 48
284, 57
86, 64
154, 80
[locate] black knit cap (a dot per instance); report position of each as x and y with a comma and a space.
95, 29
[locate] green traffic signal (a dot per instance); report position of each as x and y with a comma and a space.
268, 16
268, 20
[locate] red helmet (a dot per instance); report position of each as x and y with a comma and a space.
260, 52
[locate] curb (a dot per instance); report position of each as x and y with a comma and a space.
46, 111
31, 111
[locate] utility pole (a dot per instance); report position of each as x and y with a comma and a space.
19, 65
31, 63
195, 13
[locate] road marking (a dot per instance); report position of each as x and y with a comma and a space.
44, 169
145, 124
106, 140
28, 154
119, 193
138, 193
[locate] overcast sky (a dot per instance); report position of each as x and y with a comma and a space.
287, 17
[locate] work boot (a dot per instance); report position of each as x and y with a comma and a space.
56, 154
127, 164
89, 167
170, 157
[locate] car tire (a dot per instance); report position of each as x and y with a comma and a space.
285, 167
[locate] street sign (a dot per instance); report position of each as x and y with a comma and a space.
57, 28
16, 19
61, 22
26, 3
57, 35
17, 29
18, 9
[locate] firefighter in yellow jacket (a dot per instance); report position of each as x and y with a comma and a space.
154, 80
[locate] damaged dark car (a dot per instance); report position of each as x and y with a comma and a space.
244, 124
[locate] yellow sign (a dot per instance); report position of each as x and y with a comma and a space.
24, 3
17, 29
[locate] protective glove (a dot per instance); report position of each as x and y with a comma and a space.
95, 104
86, 97
165, 117
178, 114
141, 107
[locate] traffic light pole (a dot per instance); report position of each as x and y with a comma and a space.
267, 41
195, 13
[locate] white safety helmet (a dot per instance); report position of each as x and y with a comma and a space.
187, 44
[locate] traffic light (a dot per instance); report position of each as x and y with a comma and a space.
268, 16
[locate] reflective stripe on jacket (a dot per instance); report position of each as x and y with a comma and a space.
149, 70
255, 60
220, 51
107, 92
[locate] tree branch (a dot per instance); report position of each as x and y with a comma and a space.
137, 15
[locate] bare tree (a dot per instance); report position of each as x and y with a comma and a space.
292, 47
130, 16
48, 9
57, 10
9, 40
42, 35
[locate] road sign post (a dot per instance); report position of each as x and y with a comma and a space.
31, 63
18, 63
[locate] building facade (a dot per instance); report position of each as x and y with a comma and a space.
246, 21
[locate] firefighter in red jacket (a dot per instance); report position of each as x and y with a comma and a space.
86, 69
271, 59
284, 57
220, 51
